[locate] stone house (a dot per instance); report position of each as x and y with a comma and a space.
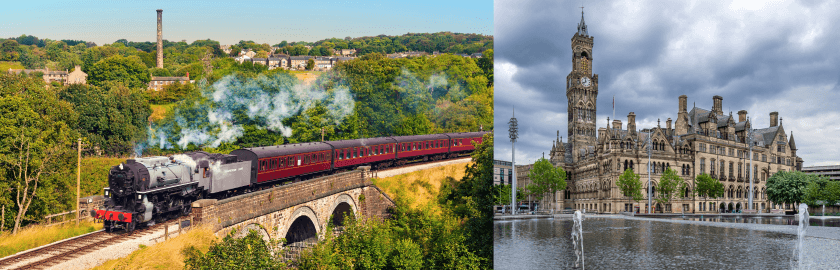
157, 83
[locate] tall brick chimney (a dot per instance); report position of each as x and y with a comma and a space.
774, 119
160, 39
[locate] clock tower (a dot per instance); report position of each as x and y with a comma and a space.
582, 94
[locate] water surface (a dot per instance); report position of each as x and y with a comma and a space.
617, 243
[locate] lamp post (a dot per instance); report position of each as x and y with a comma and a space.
650, 198
513, 129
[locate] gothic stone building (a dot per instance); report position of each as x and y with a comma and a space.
701, 141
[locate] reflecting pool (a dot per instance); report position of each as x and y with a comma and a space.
627, 243
787, 220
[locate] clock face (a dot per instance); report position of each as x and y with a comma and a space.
585, 81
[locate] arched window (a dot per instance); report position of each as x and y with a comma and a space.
631, 165
625, 165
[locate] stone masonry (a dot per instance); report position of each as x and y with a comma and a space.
273, 210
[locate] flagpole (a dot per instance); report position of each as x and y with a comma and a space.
613, 108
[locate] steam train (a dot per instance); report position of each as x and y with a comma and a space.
147, 190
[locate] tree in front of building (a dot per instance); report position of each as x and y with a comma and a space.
630, 186
310, 64
787, 187
707, 187
821, 191
669, 185
547, 178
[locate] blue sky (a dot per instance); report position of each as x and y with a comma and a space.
760, 56
228, 22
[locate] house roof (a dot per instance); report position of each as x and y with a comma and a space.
170, 78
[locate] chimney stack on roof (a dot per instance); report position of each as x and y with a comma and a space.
717, 106
617, 124
742, 116
774, 119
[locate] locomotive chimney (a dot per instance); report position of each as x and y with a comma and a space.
160, 38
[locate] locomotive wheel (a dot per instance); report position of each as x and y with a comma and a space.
186, 210
107, 225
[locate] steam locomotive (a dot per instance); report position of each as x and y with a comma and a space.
149, 190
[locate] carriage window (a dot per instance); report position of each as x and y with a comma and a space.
322, 157
282, 162
314, 158
354, 152
291, 161
376, 150
262, 165
305, 160
328, 158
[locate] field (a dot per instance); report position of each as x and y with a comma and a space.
36, 236
307, 77
5, 66
164, 255
420, 188
159, 111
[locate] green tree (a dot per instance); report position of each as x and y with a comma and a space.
35, 143
669, 185
547, 178
821, 191
9, 50
787, 187
630, 185
128, 70
310, 64
249, 252
707, 187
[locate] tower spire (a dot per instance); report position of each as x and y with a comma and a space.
582, 25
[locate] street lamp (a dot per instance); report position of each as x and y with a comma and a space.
650, 198
513, 129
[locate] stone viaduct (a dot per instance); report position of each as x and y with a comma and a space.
297, 212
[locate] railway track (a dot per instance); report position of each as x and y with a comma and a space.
53, 254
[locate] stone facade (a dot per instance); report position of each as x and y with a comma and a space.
274, 210
702, 141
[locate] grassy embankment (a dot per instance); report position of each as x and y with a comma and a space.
36, 236
164, 255
5, 66
159, 111
420, 188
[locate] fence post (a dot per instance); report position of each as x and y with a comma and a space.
165, 232
180, 224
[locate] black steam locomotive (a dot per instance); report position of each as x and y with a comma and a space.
144, 191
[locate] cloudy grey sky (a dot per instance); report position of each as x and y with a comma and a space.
760, 56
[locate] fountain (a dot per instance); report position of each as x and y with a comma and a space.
577, 239
802, 217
